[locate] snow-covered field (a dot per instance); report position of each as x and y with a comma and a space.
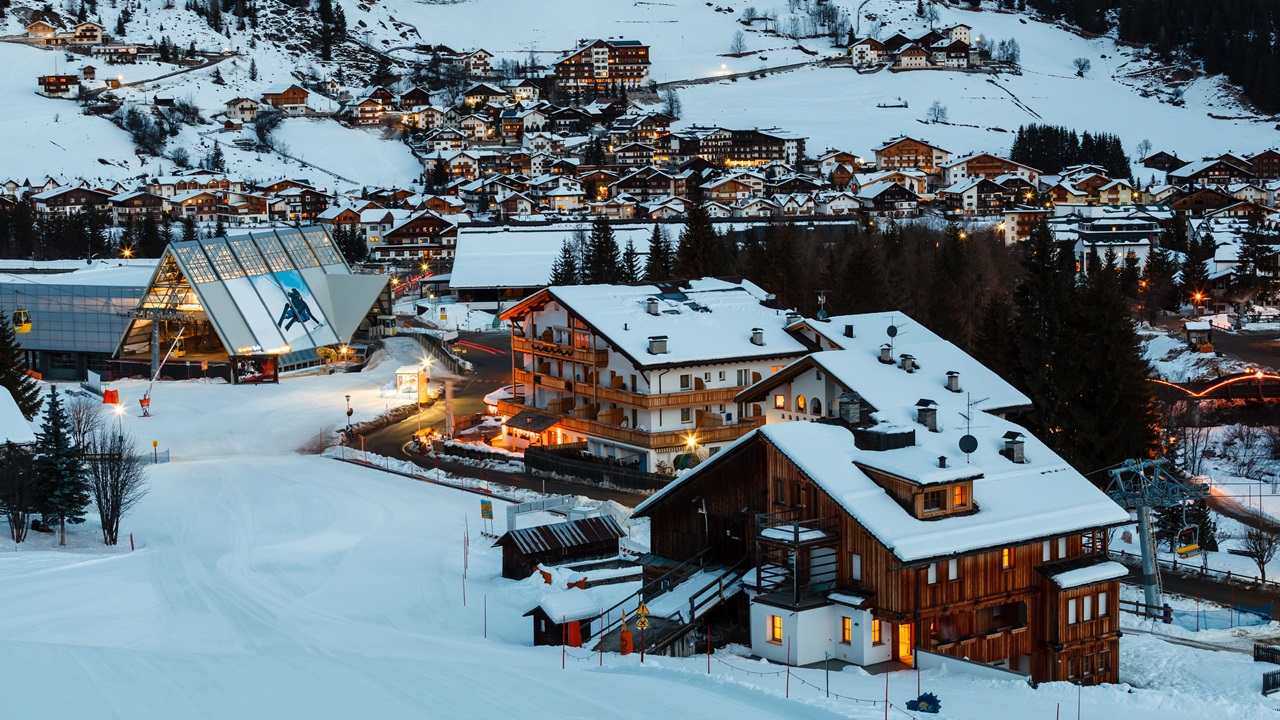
272, 584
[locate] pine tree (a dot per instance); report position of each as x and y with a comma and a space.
631, 270
253, 69
13, 373
1043, 342
701, 251
658, 266
600, 264
1114, 417
866, 279
565, 269
64, 490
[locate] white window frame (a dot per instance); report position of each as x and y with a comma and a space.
1071, 611
953, 569
932, 574
1102, 605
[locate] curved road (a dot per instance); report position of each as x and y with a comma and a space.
490, 352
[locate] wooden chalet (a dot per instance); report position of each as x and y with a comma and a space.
426, 236
564, 618
904, 152
524, 549
872, 537
1163, 162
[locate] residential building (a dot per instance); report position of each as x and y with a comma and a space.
288, 99
903, 153
643, 374
873, 532
602, 64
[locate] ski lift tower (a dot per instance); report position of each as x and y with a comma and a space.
1146, 484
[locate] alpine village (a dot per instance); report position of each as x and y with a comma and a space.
470, 358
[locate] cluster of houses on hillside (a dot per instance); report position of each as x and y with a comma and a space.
202, 196
946, 49
841, 485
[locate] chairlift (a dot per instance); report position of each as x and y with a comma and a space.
1189, 542
179, 348
22, 321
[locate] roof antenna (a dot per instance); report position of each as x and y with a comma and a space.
969, 443
822, 304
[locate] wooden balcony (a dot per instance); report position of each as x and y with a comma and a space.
587, 356
687, 398
640, 438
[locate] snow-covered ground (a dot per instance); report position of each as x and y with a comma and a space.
272, 584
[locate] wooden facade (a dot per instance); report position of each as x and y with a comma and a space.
992, 606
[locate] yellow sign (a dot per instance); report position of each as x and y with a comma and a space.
642, 622
155, 443
486, 509
642, 610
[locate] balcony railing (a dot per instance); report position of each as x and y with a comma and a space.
587, 356
640, 438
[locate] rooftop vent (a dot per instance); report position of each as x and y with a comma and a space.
757, 336
886, 354
908, 362
793, 317
927, 414
953, 381
658, 345
848, 331
651, 306
1014, 447
942, 461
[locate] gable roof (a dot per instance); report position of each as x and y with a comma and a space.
557, 536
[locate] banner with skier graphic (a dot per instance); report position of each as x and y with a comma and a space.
294, 310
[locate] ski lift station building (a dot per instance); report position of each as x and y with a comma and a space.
275, 293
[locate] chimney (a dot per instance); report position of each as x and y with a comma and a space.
658, 345
848, 331
927, 414
792, 317
1014, 447
908, 362
850, 409
953, 381
886, 354
651, 306
757, 336
942, 461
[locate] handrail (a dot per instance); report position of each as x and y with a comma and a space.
605, 630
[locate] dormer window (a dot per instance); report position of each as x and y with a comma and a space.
960, 496
933, 501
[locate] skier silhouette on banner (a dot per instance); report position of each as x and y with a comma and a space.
295, 310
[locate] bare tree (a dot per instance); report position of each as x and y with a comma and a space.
19, 489
118, 477
750, 14
937, 112
1081, 65
671, 103
1144, 149
1261, 547
739, 44
84, 416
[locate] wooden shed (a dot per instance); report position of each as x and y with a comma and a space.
564, 618
586, 539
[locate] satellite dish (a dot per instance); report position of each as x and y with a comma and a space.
968, 444
892, 331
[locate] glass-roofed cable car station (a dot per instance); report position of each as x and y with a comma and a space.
274, 296
268, 298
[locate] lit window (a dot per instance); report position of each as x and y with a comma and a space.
780, 402
961, 496
846, 630
875, 633
800, 403
1006, 558
775, 629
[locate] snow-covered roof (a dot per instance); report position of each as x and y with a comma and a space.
709, 322
14, 427
1197, 325
569, 605
1101, 572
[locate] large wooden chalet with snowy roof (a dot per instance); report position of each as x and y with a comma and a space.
888, 511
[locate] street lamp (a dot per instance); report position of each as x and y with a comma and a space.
1198, 298
119, 411
128, 253
349, 412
